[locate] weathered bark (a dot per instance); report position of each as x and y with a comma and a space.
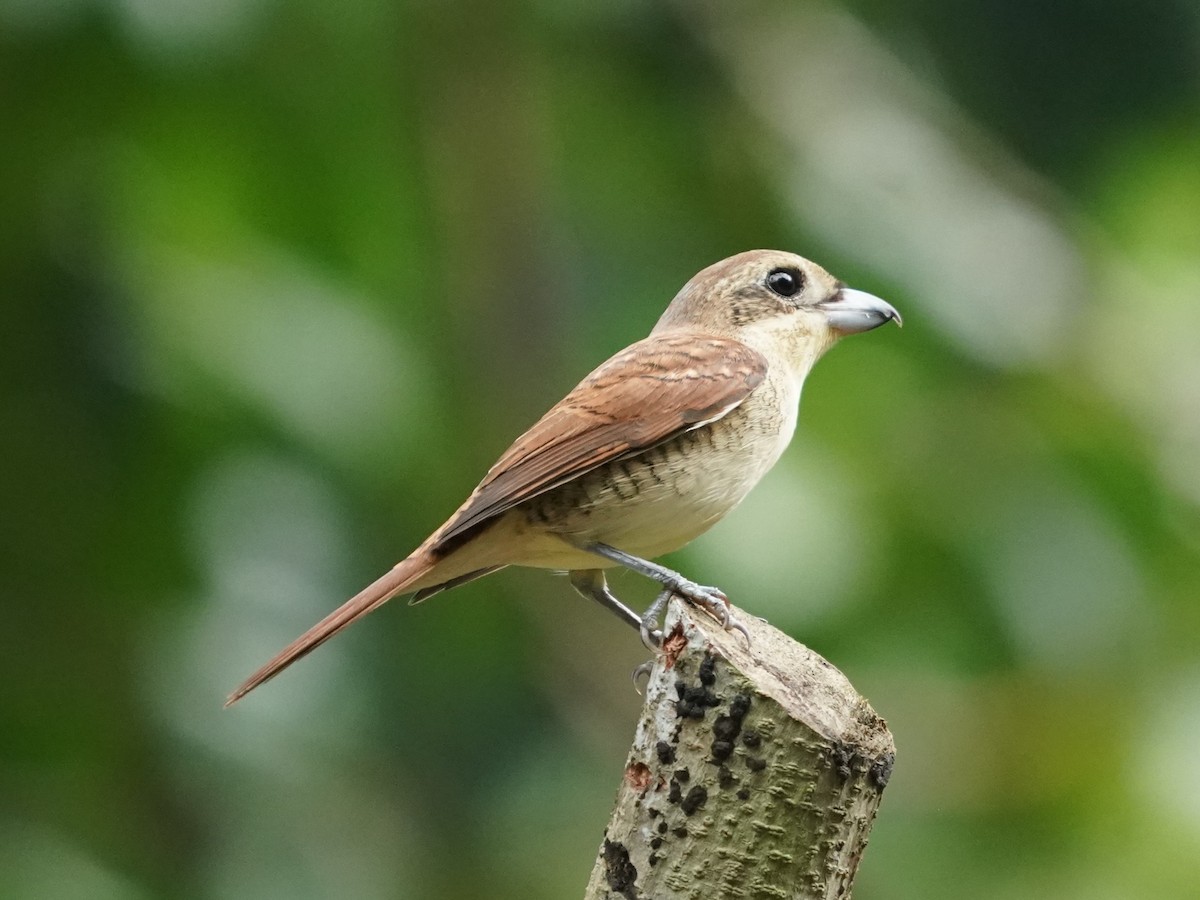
755, 772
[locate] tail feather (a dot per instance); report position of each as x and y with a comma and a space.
368, 599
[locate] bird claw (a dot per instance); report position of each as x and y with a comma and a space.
651, 637
644, 669
735, 625
714, 602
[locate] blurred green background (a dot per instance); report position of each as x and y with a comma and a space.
281, 279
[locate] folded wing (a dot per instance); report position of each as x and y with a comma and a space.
648, 393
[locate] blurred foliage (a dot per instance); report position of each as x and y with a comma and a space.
284, 277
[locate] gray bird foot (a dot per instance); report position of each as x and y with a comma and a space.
711, 600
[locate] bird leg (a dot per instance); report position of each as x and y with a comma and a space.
710, 599
649, 625
591, 584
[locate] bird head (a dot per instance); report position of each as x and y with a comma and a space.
769, 296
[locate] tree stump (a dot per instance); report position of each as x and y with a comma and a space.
755, 772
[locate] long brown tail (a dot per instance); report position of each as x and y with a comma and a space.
369, 598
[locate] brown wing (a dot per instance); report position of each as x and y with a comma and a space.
648, 393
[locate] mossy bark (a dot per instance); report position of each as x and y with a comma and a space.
755, 772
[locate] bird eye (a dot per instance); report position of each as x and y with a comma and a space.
785, 282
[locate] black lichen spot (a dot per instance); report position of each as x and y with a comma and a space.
653, 813
725, 778
674, 795
680, 831
682, 775
751, 738
743, 794
720, 750
691, 711
755, 763
662, 827
727, 727
655, 843
842, 757
739, 706
695, 799
665, 752
708, 673
881, 770
693, 701
619, 872
680, 688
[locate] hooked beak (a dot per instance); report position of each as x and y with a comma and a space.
850, 311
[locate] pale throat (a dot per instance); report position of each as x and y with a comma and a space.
789, 342
792, 349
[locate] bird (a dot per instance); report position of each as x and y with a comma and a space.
646, 453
